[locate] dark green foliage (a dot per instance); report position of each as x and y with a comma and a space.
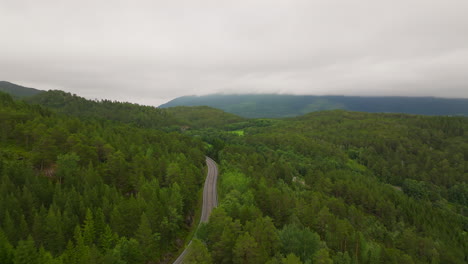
198, 253
6, 249
278, 106
344, 187
26, 252
88, 190
300, 241
202, 116
329, 186
17, 91
172, 119
246, 250
148, 240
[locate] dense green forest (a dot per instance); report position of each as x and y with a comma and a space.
171, 119
281, 105
340, 187
108, 182
90, 190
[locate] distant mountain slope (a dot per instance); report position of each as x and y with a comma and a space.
274, 105
138, 115
17, 90
202, 116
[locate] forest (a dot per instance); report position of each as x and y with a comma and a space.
340, 187
92, 191
109, 182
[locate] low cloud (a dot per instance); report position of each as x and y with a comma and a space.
152, 51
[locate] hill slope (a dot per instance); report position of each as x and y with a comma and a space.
17, 90
315, 187
138, 115
92, 190
276, 106
319, 187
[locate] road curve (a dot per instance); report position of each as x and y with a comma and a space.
210, 199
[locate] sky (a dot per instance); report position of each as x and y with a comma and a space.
150, 52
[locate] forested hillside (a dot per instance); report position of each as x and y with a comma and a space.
340, 187
170, 119
92, 191
277, 106
104, 182
17, 91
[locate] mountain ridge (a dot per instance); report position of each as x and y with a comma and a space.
279, 106
18, 91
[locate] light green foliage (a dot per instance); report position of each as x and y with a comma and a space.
234, 181
238, 132
291, 259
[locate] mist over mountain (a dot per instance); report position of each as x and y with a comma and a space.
277, 106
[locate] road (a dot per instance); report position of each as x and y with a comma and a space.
210, 199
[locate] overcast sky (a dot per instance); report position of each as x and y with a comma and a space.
152, 51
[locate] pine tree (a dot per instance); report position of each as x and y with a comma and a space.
107, 239
99, 225
6, 249
53, 239
82, 251
26, 252
147, 239
38, 224
129, 250
89, 232
9, 228
23, 230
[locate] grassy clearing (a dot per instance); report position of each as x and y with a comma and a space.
238, 132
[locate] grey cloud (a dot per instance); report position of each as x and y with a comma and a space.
151, 51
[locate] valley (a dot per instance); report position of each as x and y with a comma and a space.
110, 182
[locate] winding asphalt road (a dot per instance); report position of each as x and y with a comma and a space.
210, 199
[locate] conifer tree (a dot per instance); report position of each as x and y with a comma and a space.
148, 240
6, 249
89, 232
26, 252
